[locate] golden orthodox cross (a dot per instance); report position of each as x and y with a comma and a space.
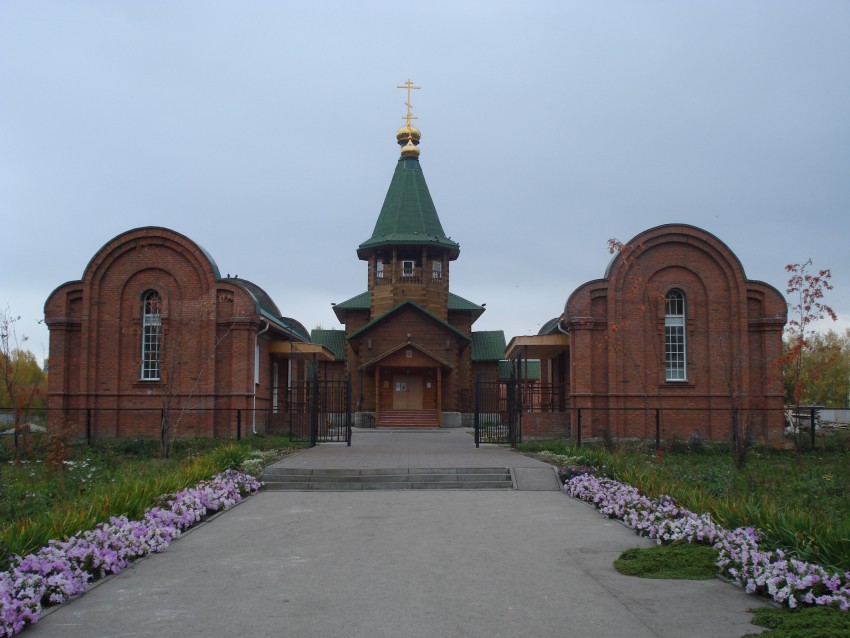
409, 85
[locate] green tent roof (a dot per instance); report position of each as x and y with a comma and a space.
408, 216
488, 345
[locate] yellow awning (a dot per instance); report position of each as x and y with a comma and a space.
307, 351
538, 346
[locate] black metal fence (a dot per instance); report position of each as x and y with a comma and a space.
319, 410
718, 423
315, 410
497, 412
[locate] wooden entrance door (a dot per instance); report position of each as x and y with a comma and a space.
407, 392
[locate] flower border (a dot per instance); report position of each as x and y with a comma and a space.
773, 573
63, 569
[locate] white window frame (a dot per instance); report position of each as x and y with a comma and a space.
675, 336
379, 270
151, 342
437, 271
408, 267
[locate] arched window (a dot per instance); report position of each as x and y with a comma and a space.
674, 337
151, 335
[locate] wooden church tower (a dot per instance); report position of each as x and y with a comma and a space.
408, 342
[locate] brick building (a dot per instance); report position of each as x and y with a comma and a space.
151, 325
673, 337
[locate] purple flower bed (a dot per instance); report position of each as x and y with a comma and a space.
65, 568
772, 573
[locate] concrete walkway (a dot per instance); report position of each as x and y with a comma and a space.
401, 563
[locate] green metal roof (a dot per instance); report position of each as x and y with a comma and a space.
408, 216
262, 297
530, 366
296, 328
488, 345
333, 340
550, 327
363, 301
456, 302
412, 304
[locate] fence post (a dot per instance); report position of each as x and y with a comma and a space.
239, 424
314, 409
657, 429
812, 415
578, 427
477, 404
348, 409
88, 427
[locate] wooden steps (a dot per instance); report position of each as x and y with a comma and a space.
408, 419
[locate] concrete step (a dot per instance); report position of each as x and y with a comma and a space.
281, 479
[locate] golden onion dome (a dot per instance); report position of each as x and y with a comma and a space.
407, 133
409, 150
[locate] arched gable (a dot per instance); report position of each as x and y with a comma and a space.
140, 244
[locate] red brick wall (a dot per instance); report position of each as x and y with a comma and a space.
733, 331
545, 425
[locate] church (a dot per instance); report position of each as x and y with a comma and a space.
408, 340
153, 327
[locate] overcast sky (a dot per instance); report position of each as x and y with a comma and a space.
264, 131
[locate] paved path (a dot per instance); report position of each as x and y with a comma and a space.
401, 564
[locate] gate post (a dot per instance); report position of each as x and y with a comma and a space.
812, 416
657, 429
314, 409
477, 405
348, 409
578, 427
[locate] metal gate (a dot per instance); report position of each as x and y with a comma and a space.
320, 410
498, 409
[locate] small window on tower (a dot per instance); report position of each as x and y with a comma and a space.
379, 271
438, 270
407, 268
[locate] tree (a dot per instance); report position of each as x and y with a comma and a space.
806, 306
22, 380
825, 371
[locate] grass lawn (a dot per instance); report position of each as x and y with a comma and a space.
802, 504
41, 499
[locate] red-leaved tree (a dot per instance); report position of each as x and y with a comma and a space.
806, 292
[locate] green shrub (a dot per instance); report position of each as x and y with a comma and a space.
680, 560
805, 622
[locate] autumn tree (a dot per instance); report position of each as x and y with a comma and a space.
806, 292
825, 370
22, 381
